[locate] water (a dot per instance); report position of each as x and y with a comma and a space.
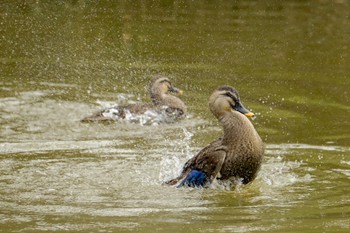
62, 61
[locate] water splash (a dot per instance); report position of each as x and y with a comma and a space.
307, 146
171, 164
276, 171
150, 117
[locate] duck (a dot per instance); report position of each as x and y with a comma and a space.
236, 156
164, 106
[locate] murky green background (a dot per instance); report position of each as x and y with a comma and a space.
62, 60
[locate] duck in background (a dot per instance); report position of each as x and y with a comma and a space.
236, 156
164, 107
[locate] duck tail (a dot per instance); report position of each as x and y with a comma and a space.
194, 179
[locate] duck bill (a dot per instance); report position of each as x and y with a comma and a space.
175, 90
240, 108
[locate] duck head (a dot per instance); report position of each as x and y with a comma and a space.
226, 99
161, 85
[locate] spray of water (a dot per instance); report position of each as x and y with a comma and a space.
171, 164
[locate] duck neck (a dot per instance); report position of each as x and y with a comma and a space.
157, 95
160, 98
172, 101
236, 126
156, 98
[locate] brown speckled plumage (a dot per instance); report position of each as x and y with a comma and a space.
236, 155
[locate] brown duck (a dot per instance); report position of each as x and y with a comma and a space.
236, 156
166, 106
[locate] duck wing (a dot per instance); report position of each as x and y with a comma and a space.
203, 168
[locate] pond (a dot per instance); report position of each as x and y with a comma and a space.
61, 61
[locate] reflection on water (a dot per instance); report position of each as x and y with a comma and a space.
60, 61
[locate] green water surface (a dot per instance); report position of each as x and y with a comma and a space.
62, 60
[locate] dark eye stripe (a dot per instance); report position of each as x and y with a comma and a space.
165, 81
229, 94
